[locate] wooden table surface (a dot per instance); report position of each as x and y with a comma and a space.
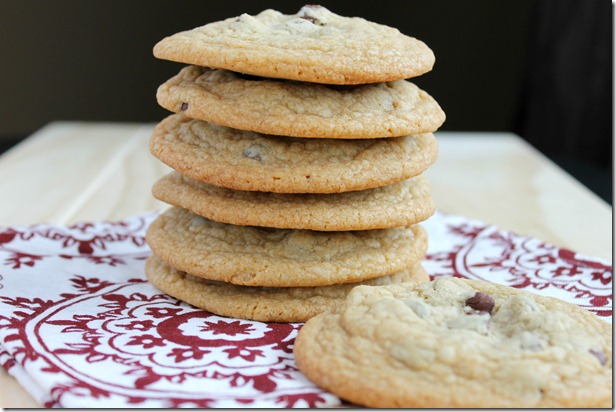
75, 171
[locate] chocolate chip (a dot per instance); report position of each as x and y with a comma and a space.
599, 355
184, 107
481, 301
311, 19
306, 16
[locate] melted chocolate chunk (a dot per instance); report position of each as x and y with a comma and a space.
481, 301
184, 107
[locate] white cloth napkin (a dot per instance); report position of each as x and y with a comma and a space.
80, 327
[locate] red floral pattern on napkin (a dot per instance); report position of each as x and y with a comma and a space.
81, 327
474, 250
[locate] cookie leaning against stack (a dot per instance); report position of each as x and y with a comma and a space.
298, 148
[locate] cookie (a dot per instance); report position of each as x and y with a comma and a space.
458, 343
313, 45
257, 256
292, 304
400, 204
246, 160
287, 108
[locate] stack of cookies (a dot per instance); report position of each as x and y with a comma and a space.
298, 149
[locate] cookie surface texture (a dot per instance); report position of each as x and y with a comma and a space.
313, 45
264, 304
244, 160
297, 109
400, 204
458, 343
253, 256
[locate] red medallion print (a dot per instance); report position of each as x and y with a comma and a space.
77, 313
477, 251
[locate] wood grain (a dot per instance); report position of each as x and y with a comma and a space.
69, 172
500, 179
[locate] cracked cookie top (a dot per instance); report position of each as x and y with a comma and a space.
313, 45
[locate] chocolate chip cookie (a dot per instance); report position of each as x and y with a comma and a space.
259, 256
456, 343
300, 109
312, 45
243, 160
400, 204
266, 304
